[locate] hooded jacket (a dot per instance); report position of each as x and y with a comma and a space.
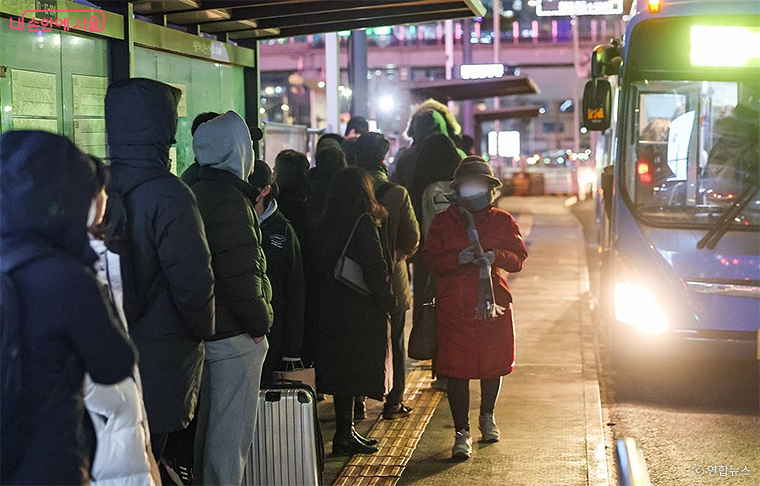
168, 284
243, 292
422, 125
66, 327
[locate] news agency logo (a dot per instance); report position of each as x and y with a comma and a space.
44, 20
719, 471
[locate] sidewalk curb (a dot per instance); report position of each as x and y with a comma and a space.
596, 455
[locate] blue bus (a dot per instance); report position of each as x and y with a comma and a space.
676, 106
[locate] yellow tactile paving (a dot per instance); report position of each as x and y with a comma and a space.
398, 438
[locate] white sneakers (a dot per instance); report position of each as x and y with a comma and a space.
462, 445
488, 428
462, 449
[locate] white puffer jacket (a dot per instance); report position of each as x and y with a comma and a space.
117, 411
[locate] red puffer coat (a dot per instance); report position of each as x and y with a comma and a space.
469, 348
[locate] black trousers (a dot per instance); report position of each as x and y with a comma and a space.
459, 399
398, 349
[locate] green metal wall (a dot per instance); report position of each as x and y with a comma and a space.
59, 82
207, 86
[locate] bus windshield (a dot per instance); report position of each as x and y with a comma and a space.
694, 150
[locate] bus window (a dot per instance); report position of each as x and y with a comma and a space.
695, 150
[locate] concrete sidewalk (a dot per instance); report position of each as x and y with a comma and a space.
549, 410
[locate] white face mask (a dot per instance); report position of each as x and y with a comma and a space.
471, 190
92, 213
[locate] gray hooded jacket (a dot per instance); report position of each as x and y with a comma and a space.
225, 199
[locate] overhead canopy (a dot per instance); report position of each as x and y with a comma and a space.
473, 89
507, 113
267, 19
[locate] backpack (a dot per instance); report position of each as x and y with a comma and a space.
118, 240
15, 417
434, 201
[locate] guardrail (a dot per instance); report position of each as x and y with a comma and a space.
631, 467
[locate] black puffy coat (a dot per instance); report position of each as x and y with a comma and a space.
285, 271
66, 327
353, 333
168, 291
243, 292
223, 149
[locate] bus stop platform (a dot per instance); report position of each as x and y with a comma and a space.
549, 410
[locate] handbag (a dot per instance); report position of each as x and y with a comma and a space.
423, 340
348, 271
300, 375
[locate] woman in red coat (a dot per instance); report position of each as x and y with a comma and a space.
474, 312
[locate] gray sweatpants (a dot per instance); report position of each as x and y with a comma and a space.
227, 410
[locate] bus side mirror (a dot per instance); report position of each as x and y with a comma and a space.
606, 60
597, 104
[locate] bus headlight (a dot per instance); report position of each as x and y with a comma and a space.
636, 306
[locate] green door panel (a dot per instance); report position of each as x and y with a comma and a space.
54, 81
85, 80
30, 80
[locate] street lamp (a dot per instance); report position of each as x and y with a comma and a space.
386, 104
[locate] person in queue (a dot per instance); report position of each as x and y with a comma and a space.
329, 140
429, 191
191, 175
165, 259
353, 345
291, 169
467, 247
430, 117
356, 127
285, 272
402, 236
236, 352
123, 454
329, 161
55, 319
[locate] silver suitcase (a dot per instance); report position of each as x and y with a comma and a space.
287, 446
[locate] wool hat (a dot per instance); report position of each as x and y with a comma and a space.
261, 176
475, 165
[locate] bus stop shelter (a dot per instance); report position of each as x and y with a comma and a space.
473, 89
267, 19
207, 49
